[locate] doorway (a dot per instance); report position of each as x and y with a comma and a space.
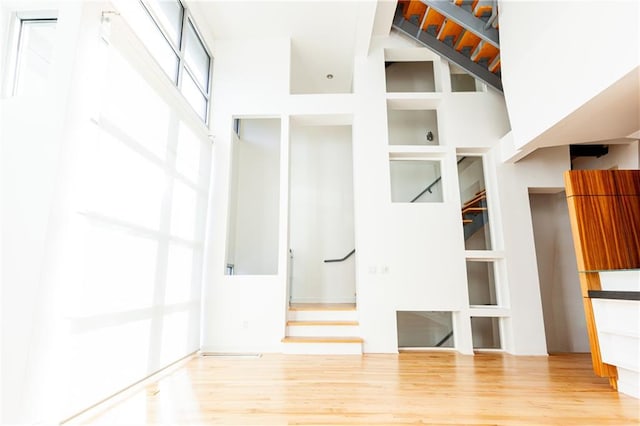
562, 305
321, 233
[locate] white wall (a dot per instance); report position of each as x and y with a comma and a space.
543, 169
321, 214
564, 322
409, 256
574, 63
245, 313
31, 141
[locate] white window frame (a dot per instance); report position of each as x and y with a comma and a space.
13, 42
179, 50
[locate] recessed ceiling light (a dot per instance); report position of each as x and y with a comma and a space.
329, 76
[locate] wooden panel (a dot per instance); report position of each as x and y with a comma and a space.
604, 211
602, 182
606, 231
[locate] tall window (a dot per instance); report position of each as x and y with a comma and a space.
34, 54
172, 38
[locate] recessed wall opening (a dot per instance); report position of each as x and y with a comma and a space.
481, 283
410, 76
424, 329
321, 213
462, 81
473, 195
412, 127
562, 307
485, 332
415, 181
254, 197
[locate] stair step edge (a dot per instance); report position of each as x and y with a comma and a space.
321, 323
292, 339
322, 308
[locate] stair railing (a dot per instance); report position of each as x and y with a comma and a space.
444, 339
427, 189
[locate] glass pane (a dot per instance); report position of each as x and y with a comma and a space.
35, 54
169, 12
158, 46
473, 194
485, 332
481, 282
415, 181
254, 205
197, 57
194, 96
412, 127
424, 329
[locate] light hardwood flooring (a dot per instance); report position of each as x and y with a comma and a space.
425, 388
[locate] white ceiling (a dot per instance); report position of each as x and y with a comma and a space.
325, 35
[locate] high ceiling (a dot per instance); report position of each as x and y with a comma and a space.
325, 35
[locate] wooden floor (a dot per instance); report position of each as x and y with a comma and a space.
426, 388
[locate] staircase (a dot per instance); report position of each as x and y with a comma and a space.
474, 213
329, 329
463, 31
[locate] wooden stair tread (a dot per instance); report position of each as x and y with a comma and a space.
322, 323
433, 19
484, 50
449, 29
482, 195
322, 307
474, 210
328, 339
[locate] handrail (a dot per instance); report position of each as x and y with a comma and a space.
341, 260
444, 339
432, 184
427, 189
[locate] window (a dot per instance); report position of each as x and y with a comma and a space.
424, 329
34, 55
415, 181
173, 40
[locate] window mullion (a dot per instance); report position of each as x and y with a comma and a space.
181, 60
158, 23
205, 93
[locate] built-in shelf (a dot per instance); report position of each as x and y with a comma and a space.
413, 100
411, 151
489, 311
484, 255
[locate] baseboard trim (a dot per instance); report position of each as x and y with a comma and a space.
126, 392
